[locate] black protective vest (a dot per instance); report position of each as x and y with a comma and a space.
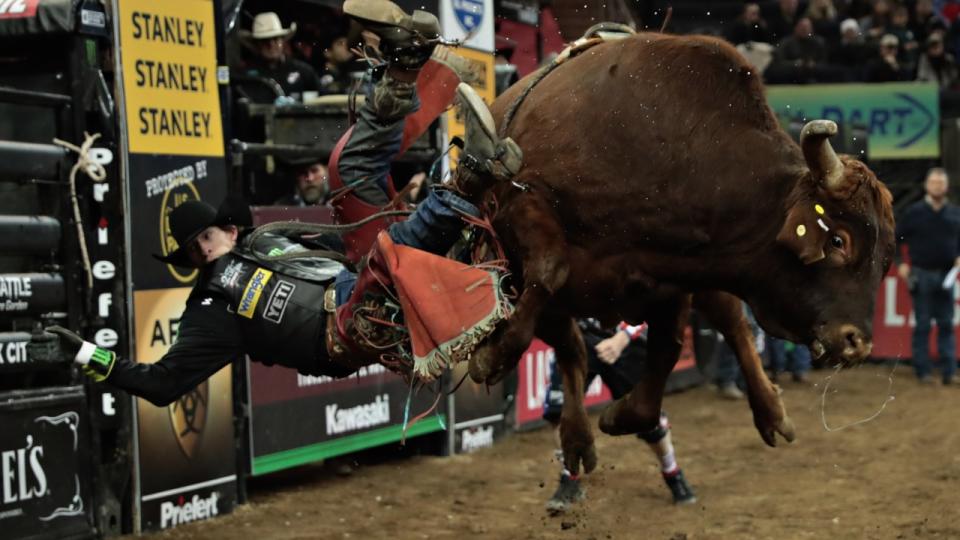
279, 306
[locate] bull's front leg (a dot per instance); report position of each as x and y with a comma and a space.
639, 410
533, 231
725, 313
576, 436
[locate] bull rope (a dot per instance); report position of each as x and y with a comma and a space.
823, 401
97, 173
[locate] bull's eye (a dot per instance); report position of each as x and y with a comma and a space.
836, 241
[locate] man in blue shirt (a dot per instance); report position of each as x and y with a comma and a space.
931, 230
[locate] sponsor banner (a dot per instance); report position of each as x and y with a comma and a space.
298, 419
18, 9
480, 76
169, 65
903, 119
477, 412
31, 293
474, 438
470, 21
13, 350
189, 442
187, 507
158, 184
44, 488
894, 320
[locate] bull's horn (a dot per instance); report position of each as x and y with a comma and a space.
822, 160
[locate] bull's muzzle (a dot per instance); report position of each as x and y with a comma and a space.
848, 343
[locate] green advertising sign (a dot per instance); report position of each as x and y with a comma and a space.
903, 119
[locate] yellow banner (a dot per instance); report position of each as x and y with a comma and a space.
481, 77
169, 56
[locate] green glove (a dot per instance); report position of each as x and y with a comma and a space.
95, 362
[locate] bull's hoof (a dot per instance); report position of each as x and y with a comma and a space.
568, 493
770, 417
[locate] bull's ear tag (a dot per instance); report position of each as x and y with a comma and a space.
819, 209
806, 242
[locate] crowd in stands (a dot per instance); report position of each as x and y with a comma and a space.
851, 40
304, 61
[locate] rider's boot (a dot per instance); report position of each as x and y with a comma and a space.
485, 157
406, 40
406, 43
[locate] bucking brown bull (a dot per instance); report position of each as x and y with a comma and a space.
654, 168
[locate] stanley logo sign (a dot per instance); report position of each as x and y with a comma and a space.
188, 417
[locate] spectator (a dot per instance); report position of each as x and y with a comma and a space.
788, 357
900, 27
923, 20
823, 15
311, 183
801, 57
268, 39
782, 22
338, 66
852, 51
936, 65
750, 27
930, 229
884, 66
875, 25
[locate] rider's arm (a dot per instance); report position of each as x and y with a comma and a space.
208, 339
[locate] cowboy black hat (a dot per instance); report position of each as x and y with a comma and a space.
192, 217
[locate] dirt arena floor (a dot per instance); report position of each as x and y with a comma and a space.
897, 476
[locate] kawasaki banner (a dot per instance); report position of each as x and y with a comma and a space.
903, 119
297, 419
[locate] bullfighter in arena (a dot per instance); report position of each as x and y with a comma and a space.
617, 356
256, 296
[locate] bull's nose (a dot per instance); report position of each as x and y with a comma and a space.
857, 346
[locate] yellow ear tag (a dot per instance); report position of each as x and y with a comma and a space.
819, 209
801, 230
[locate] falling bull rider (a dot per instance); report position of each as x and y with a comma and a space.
272, 297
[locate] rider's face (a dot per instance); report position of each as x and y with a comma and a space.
212, 243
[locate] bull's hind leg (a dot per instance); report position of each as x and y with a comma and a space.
576, 437
639, 410
725, 313
534, 233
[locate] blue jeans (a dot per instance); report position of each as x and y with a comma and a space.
796, 361
931, 301
434, 227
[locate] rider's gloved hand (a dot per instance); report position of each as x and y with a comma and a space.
95, 362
